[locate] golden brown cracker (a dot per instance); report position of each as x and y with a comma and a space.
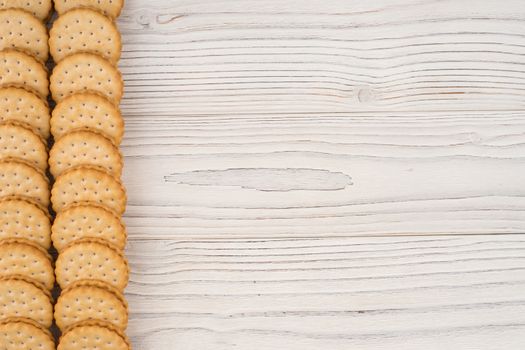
85, 72
84, 30
18, 178
22, 333
19, 69
24, 258
87, 111
25, 219
86, 300
88, 184
20, 30
84, 148
39, 8
21, 297
18, 142
91, 334
23, 107
110, 8
87, 221
91, 259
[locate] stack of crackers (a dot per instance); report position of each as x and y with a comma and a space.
83, 169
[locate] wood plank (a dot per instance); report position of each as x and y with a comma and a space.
331, 293
269, 144
234, 56
375, 173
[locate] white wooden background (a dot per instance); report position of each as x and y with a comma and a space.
323, 174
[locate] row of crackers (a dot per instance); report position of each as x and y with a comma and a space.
26, 268
86, 164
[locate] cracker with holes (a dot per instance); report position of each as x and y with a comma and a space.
85, 72
25, 334
91, 300
20, 30
21, 297
87, 184
80, 221
84, 148
23, 218
91, 259
24, 258
38, 8
84, 30
21, 143
22, 179
87, 112
110, 8
25, 108
91, 334
19, 69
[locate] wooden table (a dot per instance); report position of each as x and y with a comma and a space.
322, 174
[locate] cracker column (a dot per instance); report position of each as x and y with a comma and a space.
26, 269
85, 161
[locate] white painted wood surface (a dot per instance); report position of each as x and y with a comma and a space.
439, 292
325, 174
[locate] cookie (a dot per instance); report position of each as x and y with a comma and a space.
21, 143
87, 112
23, 258
39, 8
19, 69
89, 300
25, 108
21, 297
93, 334
20, 30
25, 334
87, 221
25, 219
86, 72
18, 178
84, 30
84, 148
91, 259
88, 184
110, 8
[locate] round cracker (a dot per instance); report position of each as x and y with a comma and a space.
87, 221
18, 178
93, 334
19, 142
19, 69
84, 148
87, 112
25, 219
90, 301
86, 72
24, 258
39, 8
20, 297
110, 8
25, 334
20, 30
88, 184
23, 107
91, 259
84, 30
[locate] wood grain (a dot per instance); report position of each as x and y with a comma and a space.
234, 128
322, 55
337, 174
325, 174
359, 293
